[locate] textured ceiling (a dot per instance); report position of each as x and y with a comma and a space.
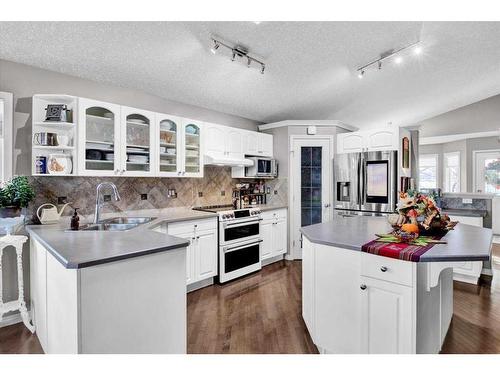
310, 70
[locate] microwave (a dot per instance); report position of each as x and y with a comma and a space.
262, 167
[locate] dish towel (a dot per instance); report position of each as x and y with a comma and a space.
402, 251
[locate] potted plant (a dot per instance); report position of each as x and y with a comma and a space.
15, 195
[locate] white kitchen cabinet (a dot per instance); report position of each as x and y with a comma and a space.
266, 229
468, 272
168, 147
251, 143
137, 134
224, 141
204, 254
368, 140
265, 145
193, 148
350, 142
386, 317
99, 147
274, 233
201, 258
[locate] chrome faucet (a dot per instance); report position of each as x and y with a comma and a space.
99, 203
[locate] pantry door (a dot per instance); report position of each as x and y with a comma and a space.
311, 168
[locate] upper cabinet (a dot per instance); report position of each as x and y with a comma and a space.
224, 141
99, 138
368, 140
136, 142
192, 145
169, 148
257, 144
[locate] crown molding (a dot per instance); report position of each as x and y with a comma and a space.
456, 137
281, 124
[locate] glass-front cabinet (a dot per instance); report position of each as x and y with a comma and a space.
169, 149
192, 148
98, 138
136, 140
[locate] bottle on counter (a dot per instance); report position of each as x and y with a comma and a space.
75, 220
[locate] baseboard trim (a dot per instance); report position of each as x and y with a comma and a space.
268, 261
9, 320
200, 284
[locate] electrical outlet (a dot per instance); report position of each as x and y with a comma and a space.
144, 197
276, 192
200, 194
467, 200
62, 200
222, 193
106, 198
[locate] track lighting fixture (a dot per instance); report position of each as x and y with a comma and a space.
215, 47
394, 53
237, 51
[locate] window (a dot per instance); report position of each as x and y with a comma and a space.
487, 171
5, 135
451, 176
428, 171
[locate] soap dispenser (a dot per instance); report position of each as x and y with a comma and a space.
75, 220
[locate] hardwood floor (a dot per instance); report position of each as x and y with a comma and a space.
261, 313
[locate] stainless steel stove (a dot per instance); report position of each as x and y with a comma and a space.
239, 240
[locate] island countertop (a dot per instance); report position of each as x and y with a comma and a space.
464, 243
80, 249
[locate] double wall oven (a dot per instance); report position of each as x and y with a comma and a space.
239, 241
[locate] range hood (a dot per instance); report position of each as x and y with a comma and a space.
222, 160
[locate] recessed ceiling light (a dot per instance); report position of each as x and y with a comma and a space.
398, 60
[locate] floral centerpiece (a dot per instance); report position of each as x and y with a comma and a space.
417, 214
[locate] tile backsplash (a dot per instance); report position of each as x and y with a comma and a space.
214, 188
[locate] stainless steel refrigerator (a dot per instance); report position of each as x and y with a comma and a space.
366, 182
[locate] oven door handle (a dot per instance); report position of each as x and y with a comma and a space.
241, 223
239, 247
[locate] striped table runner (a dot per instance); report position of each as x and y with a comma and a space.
402, 251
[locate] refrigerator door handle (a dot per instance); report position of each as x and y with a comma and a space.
359, 182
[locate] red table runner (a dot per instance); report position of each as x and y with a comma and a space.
403, 251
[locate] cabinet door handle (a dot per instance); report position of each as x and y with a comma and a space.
383, 269
362, 286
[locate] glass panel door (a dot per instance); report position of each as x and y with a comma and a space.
311, 185
192, 149
169, 141
487, 172
138, 150
100, 139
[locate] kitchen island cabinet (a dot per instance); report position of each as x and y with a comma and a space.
355, 302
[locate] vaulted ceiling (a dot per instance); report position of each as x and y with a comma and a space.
310, 66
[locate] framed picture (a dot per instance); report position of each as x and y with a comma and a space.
406, 152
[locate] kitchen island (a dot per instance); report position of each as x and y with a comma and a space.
110, 291
356, 302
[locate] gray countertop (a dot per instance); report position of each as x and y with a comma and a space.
464, 243
82, 249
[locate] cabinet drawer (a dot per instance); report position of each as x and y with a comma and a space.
189, 226
383, 268
274, 214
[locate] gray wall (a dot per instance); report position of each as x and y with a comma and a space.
24, 81
476, 117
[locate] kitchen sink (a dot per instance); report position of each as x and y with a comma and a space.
109, 227
128, 220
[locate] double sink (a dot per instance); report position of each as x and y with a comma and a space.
117, 224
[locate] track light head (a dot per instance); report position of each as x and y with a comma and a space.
262, 68
249, 61
234, 55
215, 47
361, 73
